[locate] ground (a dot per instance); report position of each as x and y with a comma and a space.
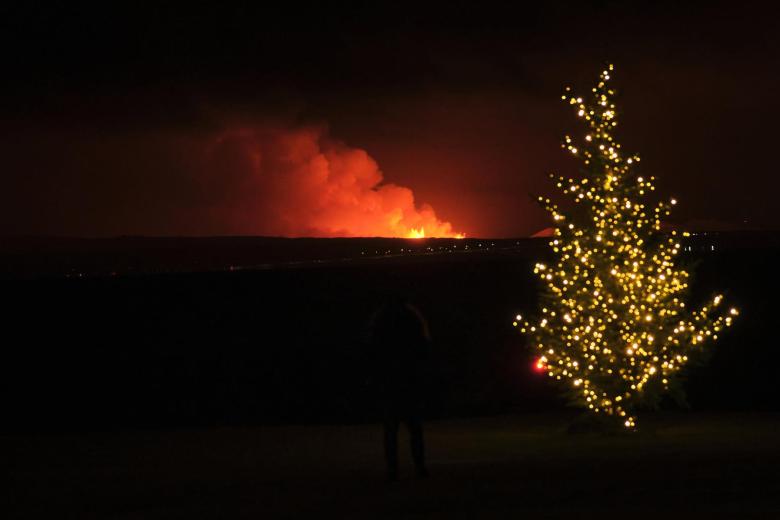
510, 466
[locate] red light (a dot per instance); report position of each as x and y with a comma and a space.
539, 365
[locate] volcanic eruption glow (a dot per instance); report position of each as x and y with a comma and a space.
269, 177
299, 182
417, 233
420, 233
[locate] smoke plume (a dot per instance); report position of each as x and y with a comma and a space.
299, 182
265, 179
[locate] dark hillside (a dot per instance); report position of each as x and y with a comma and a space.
286, 344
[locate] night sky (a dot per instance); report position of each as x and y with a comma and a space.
324, 120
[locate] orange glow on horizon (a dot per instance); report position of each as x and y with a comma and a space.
420, 233
296, 181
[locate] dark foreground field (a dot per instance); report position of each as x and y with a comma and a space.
229, 394
287, 345
696, 465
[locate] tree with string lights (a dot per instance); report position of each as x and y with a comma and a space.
614, 328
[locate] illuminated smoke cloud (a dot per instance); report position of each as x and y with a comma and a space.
269, 178
299, 182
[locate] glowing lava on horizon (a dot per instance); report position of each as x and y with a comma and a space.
420, 233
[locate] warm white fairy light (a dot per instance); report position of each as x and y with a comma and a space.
615, 324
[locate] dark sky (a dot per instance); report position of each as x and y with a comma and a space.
212, 120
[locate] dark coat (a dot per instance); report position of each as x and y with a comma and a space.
400, 345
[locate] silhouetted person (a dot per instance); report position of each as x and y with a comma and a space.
400, 342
